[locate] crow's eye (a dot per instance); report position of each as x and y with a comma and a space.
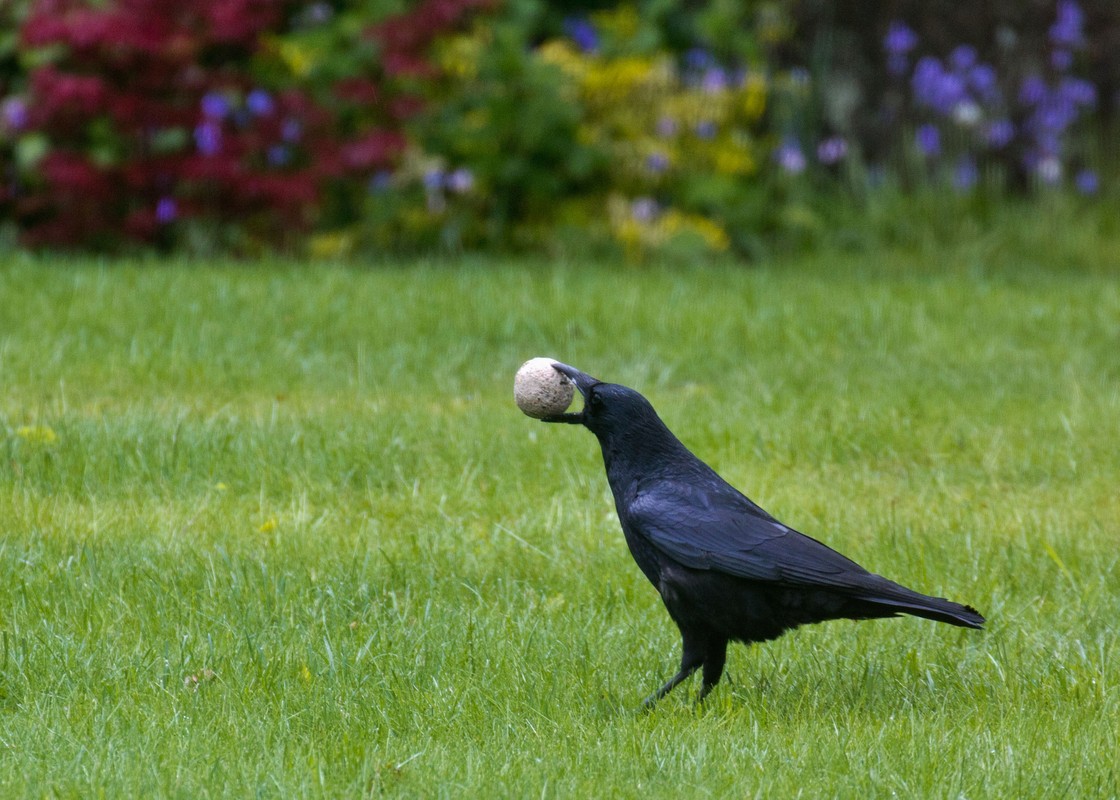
595, 400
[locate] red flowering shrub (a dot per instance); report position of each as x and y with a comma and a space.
154, 117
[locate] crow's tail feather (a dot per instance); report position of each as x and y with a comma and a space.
892, 596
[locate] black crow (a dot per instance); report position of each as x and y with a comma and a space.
726, 569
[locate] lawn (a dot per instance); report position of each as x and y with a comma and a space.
279, 531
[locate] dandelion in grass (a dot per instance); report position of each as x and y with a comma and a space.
37, 434
268, 526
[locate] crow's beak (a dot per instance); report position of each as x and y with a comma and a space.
583, 382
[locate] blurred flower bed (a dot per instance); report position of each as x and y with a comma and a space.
667, 128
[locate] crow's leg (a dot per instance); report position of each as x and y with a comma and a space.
691, 660
714, 658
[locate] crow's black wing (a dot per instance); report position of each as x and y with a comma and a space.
713, 526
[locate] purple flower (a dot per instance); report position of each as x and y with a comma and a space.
965, 175
1032, 90
1054, 114
706, 129
698, 59
714, 80
963, 57
14, 113
208, 138
1078, 91
666, 127
259, 102
1086, 182
832, 150
657, 163
318, 13
1046, 143
644, 209
291, 130
167, 210
460, 181
215, 106
936, 88
1067, 30
583, 33
381, 181
433, 180
1000, 133
899, 40
928, 140
279, 155
791, 158
982, 78
800, 77
1061, 60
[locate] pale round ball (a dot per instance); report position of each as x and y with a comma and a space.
540, 391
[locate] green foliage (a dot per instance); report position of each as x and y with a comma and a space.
640, 129
602, 129
279, 532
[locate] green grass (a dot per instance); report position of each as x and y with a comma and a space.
279, 531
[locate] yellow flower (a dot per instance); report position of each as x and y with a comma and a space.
268, 526
305, 673
299, 59
620, 23
331, 245
459, 56
733, 160
37, 434
754, 96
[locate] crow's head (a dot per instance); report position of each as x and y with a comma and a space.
608, 408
